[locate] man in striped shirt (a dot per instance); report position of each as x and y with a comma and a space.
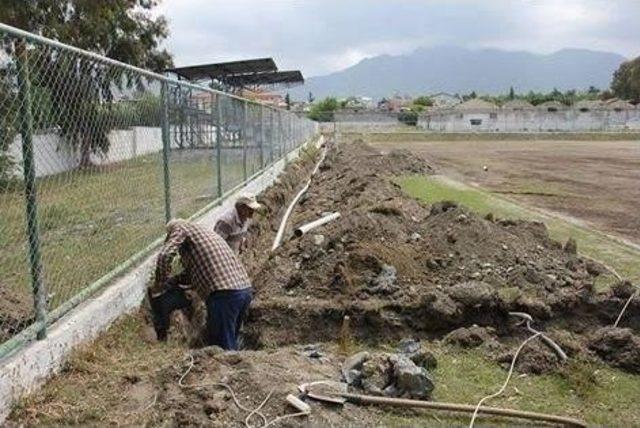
212, 269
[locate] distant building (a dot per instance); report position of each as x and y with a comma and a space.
475, 104
552, 106
444, 100
517, 105
477, 115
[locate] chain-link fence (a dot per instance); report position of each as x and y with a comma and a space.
95, 156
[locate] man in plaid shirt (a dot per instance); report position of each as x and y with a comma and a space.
212, 269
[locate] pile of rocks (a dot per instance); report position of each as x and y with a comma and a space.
404, 373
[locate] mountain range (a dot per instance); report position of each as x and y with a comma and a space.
461, 70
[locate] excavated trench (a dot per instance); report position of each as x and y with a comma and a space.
398, 268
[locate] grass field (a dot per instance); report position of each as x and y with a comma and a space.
91, 221
594, 180
94, 385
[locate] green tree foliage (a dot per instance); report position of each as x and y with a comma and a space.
408, 118
324, 110
568, 97
423, 101
512, 93
626, 80
81, 91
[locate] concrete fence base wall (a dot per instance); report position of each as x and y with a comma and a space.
27, 369
531, 121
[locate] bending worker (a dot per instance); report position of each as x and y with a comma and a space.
235, 222
214, 272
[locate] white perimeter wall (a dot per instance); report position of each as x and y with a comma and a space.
52, 155
532, 120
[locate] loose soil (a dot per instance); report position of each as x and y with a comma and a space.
397, 268
594, 181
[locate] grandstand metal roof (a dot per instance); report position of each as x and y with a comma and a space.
269, 78
222, 70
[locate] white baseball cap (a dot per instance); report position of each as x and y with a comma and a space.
249, 201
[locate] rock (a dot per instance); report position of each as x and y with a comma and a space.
353, 363
424, 358
415, 236
318, 239
617, 346
595, 269
471, 337
377, 374
535, 358
408, 346
385, 281
623, 289
462, 218
473, 293
313, 351
353, 377
410, 380
571, 246
442, 207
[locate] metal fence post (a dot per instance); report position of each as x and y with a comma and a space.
280, 141
271, 135
29, 172
244, 139
219, 143
166, 147
261, 139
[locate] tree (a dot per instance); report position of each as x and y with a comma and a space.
423, 101
408, 118
626, 80
287, 100
512, 93
593, 90
323, 111
80, 89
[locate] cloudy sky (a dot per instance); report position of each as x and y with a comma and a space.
321, 36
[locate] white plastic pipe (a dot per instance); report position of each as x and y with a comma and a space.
283, 224
316, 223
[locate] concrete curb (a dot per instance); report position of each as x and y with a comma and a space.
29, 368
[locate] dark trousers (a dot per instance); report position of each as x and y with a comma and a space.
226, 310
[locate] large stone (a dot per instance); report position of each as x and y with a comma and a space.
385, 281
410, 380
377, 374
353, 365
473, 293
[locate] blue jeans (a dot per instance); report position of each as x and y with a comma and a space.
226, 310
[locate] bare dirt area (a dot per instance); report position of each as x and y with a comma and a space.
595, 181
411, 278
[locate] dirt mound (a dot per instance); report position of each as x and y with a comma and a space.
190, 393
472, 337
618, 346
400, 268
